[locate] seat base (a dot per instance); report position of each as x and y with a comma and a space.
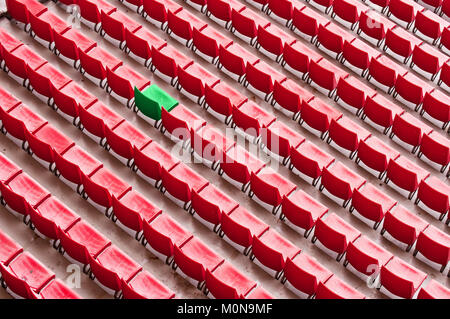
395, 241
328, 251
296, 291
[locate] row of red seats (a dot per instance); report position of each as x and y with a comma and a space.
52, 220
130, 210
21, 273
273, 201
178, 181
365, 60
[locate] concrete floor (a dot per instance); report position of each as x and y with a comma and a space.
58, 264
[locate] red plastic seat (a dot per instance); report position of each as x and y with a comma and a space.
383, 73
404, 12
374, 156
260, 77
96, 117
411, 90
234, 60
308, 161
282, 10
182, 24
220, 10
348, 11
436, 149
323, 5
444, 79
279, 139
75, 163
304, 273
371, 204
408, 131
123, 80
245, 24
71, 97
112, 266
444, 42
429, 26
251, 119
352, 94
162, 234
151, 159
332, 37
141, 42
400, 43
238, 165
405, 176
400, 279
167, 61
156, 11
91, 11
269, 188
340, 182
380, 112
365, 258
95, 62
22, 59
194, 258
325, 76
180, 121
47, 141
210, 145
317, 115
21, 119
25, 273
335, 288
208, 41
114, 25
51, 215
181, 181
445, 9
47, 79
124, 138
8, 170
302, 211
357, 55
20, 10
434, 290
433, 246
45, 25
271, 41
436, 108
193, 80
133, 209
22, 193
68, 43
102, 185
334, 235
373, 26
433, 196
428, 61
289, 96
297, 58
9, 249
56, 289
222, 99
145, 286
270, 251
7, 101
402, 227
227, 282
211, 203
82, 241
346, 135
240, 228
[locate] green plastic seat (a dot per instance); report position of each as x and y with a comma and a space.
150, 101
